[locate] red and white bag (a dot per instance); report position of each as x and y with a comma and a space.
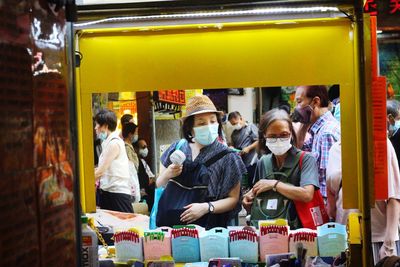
313, 213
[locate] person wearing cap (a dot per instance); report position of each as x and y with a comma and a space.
201, 128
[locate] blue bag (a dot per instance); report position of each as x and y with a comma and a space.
157, 195
153, 215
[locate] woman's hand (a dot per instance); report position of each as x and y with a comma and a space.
173, 171
247, 201
194, 212
245, 150
388, 248
263, 185
167, 173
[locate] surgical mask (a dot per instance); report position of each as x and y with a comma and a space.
143, 152
102, 136
302, 114
237, 126
279, 147
394, 128
206, 135
134, 138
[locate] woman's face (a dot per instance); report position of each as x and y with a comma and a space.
100, 128
205, 119
142, 144
205, 128
278, 129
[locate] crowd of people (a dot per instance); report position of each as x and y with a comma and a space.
289, 159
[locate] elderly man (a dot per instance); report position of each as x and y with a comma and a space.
313, 113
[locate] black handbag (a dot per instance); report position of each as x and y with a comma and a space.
191, 186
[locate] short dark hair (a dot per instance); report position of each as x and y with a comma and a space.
136, 144
126, 118
234, 115
187, 127
392, 107
106, 117
318, 90
334, 92
267, 119
128, 128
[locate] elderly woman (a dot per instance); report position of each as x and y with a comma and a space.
201, 128
112, 170
279, 179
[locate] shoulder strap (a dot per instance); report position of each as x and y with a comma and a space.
267, 161
180, 144
303, 153
297, 161
217, 157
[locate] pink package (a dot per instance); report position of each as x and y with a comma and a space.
157, 243
274, 239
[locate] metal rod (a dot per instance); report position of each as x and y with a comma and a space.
153, 140
73, 131
366, 175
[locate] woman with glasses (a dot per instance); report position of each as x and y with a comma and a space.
283, 175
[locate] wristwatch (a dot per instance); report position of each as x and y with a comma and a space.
275, 185
211, 207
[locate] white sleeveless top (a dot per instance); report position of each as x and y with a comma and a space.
116, 179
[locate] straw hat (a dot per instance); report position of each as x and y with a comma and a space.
200, 104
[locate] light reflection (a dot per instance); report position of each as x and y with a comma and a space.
55, 39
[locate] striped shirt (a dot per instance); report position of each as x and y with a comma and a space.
224, 174
324, 133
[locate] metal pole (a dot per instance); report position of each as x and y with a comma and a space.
364, 122
70, 47
154, 141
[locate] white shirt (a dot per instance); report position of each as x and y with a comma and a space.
116, 178
334, 192
378, 214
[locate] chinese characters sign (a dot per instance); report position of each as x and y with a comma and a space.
387, 11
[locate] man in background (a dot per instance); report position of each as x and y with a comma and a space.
393, 120
245, 138
312, 111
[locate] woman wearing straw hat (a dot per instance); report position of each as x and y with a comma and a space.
201, 129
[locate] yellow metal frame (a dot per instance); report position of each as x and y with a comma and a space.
248, 54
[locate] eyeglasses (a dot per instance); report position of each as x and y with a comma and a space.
282, 138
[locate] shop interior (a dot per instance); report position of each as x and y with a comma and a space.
257, 59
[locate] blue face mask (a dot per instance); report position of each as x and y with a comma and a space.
394, 128
102, 136
206, 135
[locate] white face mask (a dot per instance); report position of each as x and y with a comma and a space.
143, 152
237, 126
279, 147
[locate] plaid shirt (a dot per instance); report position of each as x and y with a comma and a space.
324, 133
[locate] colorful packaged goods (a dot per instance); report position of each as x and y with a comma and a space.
308, 239
157, 243
128, 245
244, 245
332, 239
185, 244
274, 238
214, 243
